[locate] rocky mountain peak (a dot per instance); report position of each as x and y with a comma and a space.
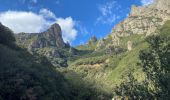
144, 19
92, 40
55, 29
54, 36
50, 38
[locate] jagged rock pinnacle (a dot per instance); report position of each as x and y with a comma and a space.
49, 38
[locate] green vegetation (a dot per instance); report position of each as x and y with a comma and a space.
27, 77
32, 77
106, 71
136, 39
88, 74
7, 37
155, 63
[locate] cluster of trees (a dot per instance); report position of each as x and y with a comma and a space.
24, 76
155, 62
6, 35
27, 77
91, 61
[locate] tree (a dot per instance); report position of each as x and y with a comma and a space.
6, 35
155, 62
132, 89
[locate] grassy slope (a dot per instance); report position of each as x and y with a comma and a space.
100, 73
105, 71
129, 59
96, 71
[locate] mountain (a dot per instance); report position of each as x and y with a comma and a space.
30, 76
142, 20
50, 38
49, 43
27, 77
131, 62
108, 61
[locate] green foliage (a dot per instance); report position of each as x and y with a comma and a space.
27, 77
132, 89
165, 29
156, 64
6, 35
90, 61
24, 78
82, 89
135, 38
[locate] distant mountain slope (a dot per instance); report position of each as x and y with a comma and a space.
112, 57
144, 20
104, 63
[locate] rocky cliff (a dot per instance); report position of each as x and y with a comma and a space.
49, 44
144, 19
50, 38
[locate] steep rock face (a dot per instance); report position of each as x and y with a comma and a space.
162, 4
51, 37
144, 20
49, 44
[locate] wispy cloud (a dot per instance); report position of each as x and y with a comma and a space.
81, 28
34, 1
147, 2
30, 1
57, 2
30, 22
107, 11
47, 13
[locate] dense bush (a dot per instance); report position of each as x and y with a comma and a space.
6, 35
27, 77
132, 89
155, 62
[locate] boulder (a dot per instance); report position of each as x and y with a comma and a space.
129, 45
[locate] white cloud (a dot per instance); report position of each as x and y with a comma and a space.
23, 21
47, 13
29, 22
67, 26
107, 11
146, 2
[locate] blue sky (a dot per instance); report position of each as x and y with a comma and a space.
79, 19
